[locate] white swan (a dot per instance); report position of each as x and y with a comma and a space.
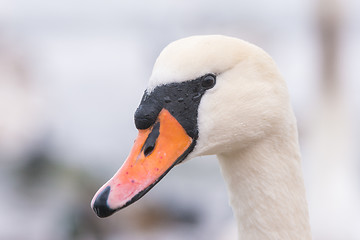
219, 95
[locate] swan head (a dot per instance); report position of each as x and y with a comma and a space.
206, 95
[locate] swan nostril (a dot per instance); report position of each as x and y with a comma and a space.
150, 142
148, 150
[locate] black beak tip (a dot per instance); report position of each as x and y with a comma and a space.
100, 206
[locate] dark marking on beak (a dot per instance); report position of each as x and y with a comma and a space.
101, 207
150, 142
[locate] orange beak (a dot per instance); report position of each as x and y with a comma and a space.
156, 150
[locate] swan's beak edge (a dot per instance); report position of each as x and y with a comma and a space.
155, 151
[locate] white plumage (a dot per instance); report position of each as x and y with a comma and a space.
247, 121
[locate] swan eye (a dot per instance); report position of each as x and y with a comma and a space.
208, 81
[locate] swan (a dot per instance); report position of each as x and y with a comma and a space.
219, 95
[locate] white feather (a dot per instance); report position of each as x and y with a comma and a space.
247, 120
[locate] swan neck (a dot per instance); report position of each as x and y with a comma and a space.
266, 189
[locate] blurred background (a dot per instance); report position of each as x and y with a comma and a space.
73, 72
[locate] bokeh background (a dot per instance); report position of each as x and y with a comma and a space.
72, 73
